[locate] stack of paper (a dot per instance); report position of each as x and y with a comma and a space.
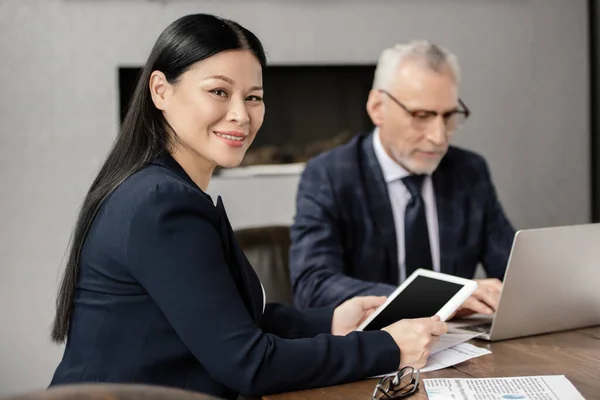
452, 339
452, 356
450, 350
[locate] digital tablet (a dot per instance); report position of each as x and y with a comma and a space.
424, 294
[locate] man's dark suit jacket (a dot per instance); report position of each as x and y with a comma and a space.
344, 236
165, 296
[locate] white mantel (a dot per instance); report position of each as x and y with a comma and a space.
258, 195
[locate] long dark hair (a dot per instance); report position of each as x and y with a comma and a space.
144, 133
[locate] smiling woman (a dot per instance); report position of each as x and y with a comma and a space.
157, 290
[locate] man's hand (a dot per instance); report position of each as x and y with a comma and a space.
484, 300
350, 314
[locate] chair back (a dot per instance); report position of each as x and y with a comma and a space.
267, 249
111, 391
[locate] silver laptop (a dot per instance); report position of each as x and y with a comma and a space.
552, 283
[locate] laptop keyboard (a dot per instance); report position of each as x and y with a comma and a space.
483, 328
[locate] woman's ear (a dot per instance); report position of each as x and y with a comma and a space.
160, 90
375, 107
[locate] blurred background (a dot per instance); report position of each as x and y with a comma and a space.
529, 72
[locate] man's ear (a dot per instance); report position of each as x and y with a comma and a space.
375, 107
160, 89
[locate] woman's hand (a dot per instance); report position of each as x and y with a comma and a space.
350, 314
415, 338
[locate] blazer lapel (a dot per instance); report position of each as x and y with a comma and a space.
246, 280
252, 289
378, 200
448, 218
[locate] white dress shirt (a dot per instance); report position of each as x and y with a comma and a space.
264, 297
399, 197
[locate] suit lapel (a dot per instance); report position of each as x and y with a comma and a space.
448, 217
251, 288
246, 280
378, 200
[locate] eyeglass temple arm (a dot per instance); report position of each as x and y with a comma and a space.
463, 105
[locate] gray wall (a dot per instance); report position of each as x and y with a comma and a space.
525, 68
595, 139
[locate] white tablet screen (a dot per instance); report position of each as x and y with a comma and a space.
423, 297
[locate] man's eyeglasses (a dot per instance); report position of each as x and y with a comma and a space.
398, 386
423, 119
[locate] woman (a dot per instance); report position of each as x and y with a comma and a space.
156, 289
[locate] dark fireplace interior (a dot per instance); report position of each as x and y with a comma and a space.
309, 109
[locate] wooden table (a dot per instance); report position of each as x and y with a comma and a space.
575, 354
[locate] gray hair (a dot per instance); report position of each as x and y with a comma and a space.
434, 57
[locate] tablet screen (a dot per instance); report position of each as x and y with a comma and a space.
423, 297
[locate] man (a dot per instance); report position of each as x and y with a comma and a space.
372, 211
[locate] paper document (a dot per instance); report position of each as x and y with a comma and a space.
552, 387
452, 356
452, 339
449, 357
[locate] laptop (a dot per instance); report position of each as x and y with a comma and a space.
551, 283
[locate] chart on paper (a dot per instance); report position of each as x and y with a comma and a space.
551, 387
